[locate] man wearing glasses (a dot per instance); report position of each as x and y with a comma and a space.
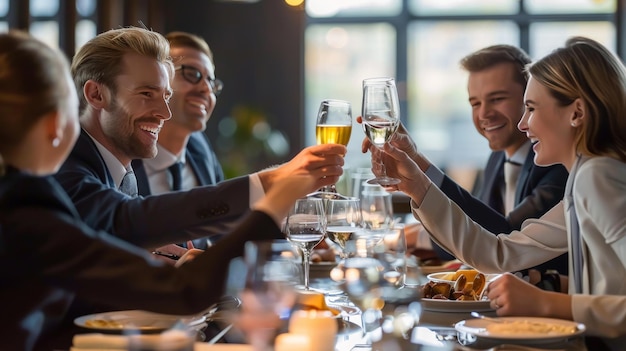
185, 158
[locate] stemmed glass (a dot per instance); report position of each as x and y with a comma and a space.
377, 212
381, 116
305, 227
334, 125
344, 219
269, 292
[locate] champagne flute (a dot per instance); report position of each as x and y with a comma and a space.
334, 125
305, 227
343, 218
381, 116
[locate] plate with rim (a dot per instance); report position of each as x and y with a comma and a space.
521, 330
135, 320
438, 305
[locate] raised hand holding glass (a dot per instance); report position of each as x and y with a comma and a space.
333, 126
381, 117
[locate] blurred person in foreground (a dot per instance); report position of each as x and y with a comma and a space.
495, 86
575, 116
49, 255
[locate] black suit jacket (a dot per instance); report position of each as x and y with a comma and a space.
201, 158
48, 256
538, 190
204, 163
150, 221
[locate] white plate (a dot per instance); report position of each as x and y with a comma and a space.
137, 320
437, 305
478, 327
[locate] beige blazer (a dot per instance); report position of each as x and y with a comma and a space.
598, 186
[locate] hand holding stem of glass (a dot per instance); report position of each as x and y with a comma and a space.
381, 116
333, 126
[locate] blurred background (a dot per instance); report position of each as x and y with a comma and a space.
279, 58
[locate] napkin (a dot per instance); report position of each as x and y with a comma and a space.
171, 339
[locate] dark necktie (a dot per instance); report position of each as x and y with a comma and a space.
176, 170
129, 184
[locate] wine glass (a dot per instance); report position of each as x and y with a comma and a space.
377, 212
269, 292
334, 125
344, 219
381, 116
305, 227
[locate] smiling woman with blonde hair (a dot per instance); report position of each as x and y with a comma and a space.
575, 116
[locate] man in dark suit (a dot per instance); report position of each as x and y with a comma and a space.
123, 77
496, 85
185, 158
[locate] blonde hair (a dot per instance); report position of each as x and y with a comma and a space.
585, 69
32, 84
100, 59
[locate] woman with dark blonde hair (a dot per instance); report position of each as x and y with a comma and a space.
575, 115
48, 255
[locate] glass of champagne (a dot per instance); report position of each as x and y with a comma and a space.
381, 116
344, 219
333, 126
305, 227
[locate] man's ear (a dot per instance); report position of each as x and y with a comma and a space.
96, 94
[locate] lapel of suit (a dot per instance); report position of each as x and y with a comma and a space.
143, 185
491, 191
522, 182
198, 158
86, 150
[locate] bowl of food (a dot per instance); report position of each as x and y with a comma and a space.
462, 285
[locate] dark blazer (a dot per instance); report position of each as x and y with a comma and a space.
150, 221
538, 190
48, 256
201, 158
204, 163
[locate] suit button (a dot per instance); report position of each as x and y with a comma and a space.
220, 209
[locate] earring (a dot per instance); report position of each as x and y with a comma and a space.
574, 124
56, 142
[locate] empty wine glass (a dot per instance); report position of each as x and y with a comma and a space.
334, 125
344, 219
269, 292
377, 212
381, 116
305, 227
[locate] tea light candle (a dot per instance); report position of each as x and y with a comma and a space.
290, 342
319, 326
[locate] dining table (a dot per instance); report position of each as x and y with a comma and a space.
437, 327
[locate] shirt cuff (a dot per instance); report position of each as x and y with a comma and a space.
435, 174
256, 189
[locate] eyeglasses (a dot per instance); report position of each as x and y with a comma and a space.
194, 76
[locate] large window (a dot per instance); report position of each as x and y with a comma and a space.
420, 42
